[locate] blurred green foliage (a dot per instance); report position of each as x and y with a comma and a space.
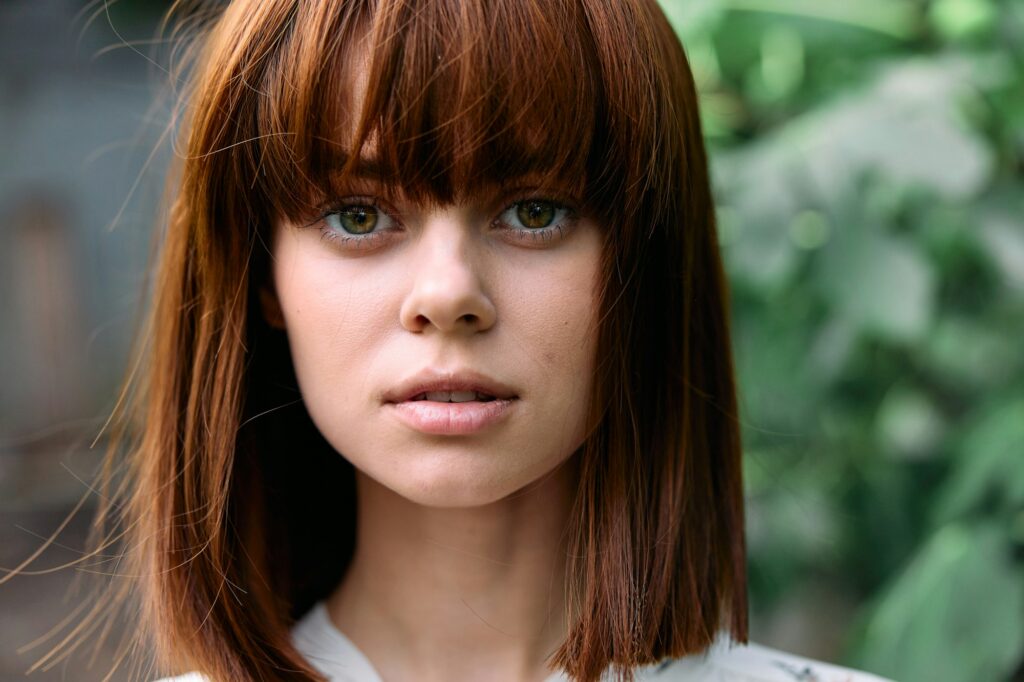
869, 169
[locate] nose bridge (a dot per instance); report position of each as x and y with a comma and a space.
447, 241
447, 291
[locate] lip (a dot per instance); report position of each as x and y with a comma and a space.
451, 419
432, 379
444, 418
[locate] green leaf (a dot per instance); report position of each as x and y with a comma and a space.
909, 424
958, 19
970, 353
760, 251
781, 67
879, 283
989, 463
891, 17
692, 18
906, 128
1002, 236
955, 614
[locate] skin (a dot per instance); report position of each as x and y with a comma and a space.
459, 565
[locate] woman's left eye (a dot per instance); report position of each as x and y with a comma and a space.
537, 219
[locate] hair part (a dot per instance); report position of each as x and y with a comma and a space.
589, 94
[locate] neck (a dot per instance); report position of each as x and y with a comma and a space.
457, 593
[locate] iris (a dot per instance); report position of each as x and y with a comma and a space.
535, 213
358, 219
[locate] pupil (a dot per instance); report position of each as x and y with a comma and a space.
359, 219
536, 213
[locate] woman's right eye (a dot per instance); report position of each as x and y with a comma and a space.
357, 222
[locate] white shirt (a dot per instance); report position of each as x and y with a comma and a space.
338, 659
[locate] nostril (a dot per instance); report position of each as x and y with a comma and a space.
456, 316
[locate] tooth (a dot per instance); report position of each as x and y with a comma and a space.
451, 396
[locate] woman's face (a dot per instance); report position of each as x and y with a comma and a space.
497, 290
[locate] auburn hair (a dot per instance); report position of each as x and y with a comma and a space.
227, 490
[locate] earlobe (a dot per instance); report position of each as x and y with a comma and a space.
271, 307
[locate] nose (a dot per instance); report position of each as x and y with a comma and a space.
447, 292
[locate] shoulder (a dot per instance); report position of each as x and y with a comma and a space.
728, 662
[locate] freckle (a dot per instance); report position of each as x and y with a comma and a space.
550, 357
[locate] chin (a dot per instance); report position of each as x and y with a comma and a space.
454, 487
443, 497
450, 478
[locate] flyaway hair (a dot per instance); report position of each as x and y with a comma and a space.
238, 515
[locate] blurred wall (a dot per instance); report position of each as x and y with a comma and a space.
77, 200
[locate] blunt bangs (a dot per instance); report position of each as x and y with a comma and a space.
456, 97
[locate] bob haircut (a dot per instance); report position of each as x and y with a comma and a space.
230, 493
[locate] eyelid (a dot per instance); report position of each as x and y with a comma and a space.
357, 241
373, 201
571, 213
520, 193
541, 235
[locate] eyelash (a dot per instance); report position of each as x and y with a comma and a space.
545, 234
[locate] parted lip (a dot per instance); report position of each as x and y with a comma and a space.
432, 379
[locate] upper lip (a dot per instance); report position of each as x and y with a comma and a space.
448, 380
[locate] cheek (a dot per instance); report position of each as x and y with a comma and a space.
336, 326
550, 323
554, 317
558, 340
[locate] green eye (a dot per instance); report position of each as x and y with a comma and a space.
537, 220
358, 219
535, 213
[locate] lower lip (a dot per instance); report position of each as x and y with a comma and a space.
451, 419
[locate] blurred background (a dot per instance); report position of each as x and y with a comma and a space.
869, 168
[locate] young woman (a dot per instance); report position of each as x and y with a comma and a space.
438, 380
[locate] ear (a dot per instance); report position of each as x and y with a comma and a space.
271, 306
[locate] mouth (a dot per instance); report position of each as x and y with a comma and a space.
453, 397
451, 403
461, 386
